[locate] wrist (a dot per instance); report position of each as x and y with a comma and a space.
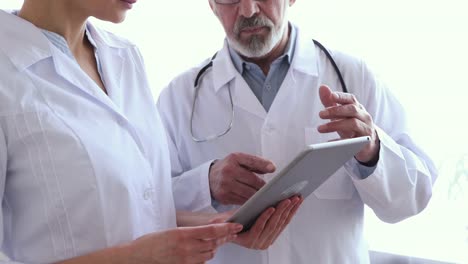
121, 254
372, 162
114, 255
209, 180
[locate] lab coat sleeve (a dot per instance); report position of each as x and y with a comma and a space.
190, 186
10, 262
3, 169
401, 184
192, 190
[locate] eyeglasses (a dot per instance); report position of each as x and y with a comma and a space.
227, 2
230, 2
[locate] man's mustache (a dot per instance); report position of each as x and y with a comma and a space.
255, 21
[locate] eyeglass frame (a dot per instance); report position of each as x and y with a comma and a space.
232, 2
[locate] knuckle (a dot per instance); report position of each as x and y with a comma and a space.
210, 255
227, 170
212, 244
229, 158
369, 119
353, 98
354, 109
223, 194
332, 111
212, 230
235, 156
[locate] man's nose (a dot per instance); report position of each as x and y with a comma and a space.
248, 8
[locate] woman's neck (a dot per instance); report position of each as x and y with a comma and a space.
58, 17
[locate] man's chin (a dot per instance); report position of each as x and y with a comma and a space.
249, 49
254, 54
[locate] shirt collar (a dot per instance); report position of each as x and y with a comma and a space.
304, 60
59, 41
94, 36
288, 52
24, 43
100, 37
306, 57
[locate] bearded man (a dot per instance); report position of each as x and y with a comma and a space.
259, 101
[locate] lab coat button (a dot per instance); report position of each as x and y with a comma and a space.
147, 193
270, 128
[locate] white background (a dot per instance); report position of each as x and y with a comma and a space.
418, 47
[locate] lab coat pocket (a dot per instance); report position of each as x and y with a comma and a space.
339, 186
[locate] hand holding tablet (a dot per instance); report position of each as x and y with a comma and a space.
307, 171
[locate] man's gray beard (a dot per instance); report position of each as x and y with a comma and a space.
258, 46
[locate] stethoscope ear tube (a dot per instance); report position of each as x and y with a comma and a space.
329, 56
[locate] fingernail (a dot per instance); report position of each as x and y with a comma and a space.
238, 228
270, 167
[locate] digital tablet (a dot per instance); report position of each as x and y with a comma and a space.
302, 176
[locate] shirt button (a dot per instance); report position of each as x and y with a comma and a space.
148, 193
268, 87
270, 128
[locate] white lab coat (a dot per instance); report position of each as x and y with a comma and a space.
328, 228
79, 170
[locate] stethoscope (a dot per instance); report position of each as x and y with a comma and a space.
210, 64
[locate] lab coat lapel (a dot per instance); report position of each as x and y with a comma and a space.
112, 63
112, 70
304, 68
71, 72
23, 49
225, 74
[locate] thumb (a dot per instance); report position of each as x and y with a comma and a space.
326, 96
222, 217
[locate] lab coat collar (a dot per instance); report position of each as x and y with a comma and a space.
25, 44
107, 39
305, 59
223, 68
22, 42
